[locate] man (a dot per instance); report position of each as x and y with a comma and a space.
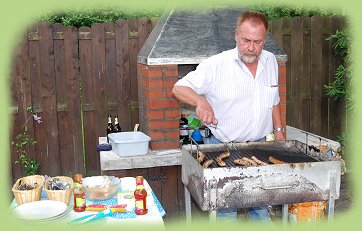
236, 91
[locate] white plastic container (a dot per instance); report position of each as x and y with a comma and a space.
129, 143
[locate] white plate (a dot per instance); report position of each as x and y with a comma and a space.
40, 210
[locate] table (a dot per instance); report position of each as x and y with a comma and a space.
154, 216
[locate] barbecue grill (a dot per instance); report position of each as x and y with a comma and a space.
308, 175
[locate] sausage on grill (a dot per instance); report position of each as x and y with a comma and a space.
201, 157
258, 162
219, 159
207, 163
275, 161
242, 162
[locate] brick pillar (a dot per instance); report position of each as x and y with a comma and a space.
159, 112
283, 90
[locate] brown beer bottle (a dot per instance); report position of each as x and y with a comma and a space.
117, 127
140, 195
109, 127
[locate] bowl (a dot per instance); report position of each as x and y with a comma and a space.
100, 187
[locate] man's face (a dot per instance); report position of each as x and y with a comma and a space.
250, 39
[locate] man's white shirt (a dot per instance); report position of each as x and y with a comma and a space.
242, 104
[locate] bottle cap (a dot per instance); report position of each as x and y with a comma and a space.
77, 177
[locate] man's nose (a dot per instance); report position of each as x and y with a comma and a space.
251, 46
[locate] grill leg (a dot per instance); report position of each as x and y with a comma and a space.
212, 216
187, 206
332, 195
285, 214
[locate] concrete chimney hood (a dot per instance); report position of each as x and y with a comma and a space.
188, 37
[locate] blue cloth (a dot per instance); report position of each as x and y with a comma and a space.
254, 213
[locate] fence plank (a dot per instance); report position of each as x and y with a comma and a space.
21, 97
61, 94
111, 69
325, 21
75, 140
133, 52
286, 45
296, 71
47, 133
306, 76
335, 107
100, 95
277, 31
316, 70
123, 80
86, 67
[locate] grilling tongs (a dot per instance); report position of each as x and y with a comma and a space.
217, 130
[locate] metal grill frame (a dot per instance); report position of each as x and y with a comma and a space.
239, 187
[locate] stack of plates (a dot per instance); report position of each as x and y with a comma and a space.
41, 211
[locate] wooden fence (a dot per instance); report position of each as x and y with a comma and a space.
311, 65
74, 78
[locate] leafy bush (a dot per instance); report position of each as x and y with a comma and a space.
273, 12
87, 17
341, 86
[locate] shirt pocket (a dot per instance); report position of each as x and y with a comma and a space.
269, 94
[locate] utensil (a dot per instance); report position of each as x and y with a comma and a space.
91, 217
217, 130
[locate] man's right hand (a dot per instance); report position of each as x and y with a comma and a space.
205, 112
203, 108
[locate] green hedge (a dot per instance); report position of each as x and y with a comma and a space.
273, 12
87, 17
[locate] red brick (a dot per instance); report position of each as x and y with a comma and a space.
164, 124
156, 135
170, 73
153, 94
282, 63
173, 134
154, 115
161, 104
157, 73
164, 145
282, 79
172, 114
282, 71
282, 89
154, 84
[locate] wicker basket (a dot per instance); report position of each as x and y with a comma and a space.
25, 196
60, 195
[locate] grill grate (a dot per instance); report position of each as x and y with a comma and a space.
289, 154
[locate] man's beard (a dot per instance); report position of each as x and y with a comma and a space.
252, 56
248, 59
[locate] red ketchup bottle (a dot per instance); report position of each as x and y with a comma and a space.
140, 195
78, 193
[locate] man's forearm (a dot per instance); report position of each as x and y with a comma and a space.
186, 95
277, 120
